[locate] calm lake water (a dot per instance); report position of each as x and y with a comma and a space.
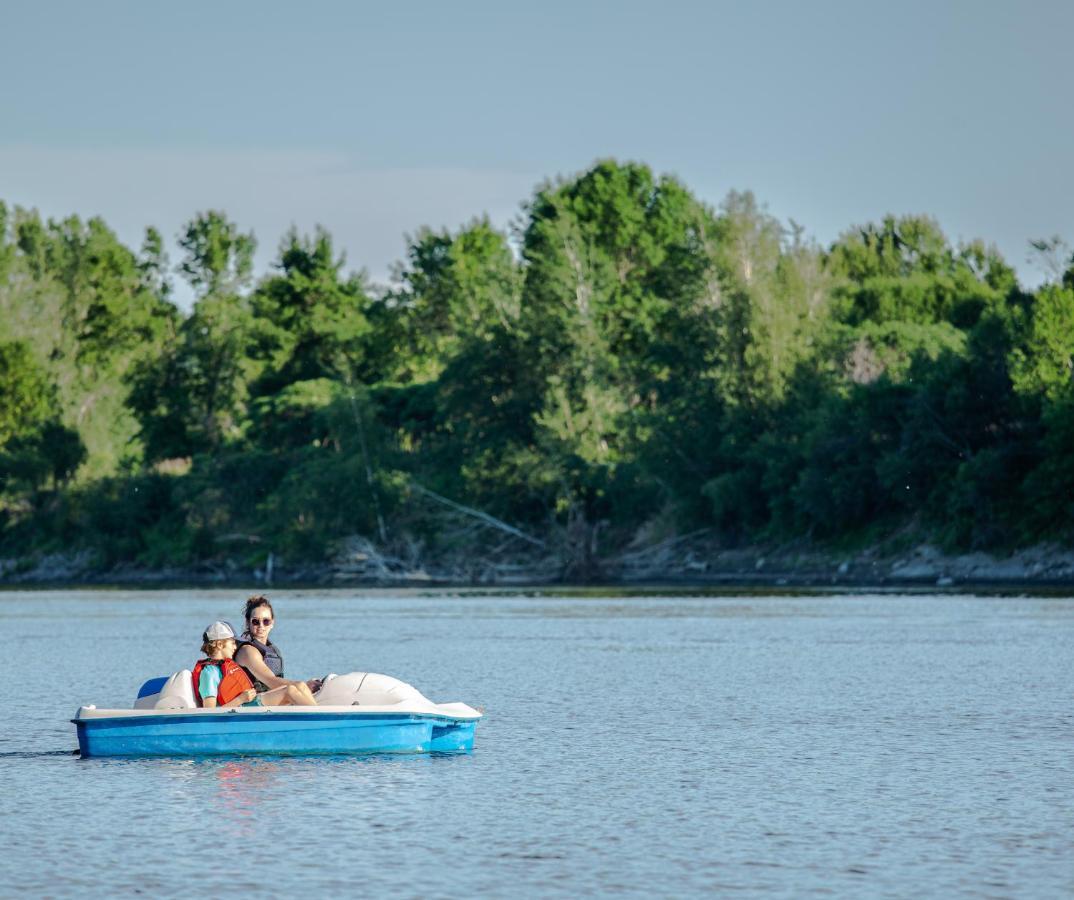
785, 746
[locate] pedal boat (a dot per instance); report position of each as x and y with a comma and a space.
361, 712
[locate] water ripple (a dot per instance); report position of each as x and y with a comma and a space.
881, 746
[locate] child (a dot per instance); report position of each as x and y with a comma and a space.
219, 680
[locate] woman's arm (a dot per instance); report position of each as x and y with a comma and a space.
254, 663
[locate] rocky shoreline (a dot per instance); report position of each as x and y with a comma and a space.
688, 561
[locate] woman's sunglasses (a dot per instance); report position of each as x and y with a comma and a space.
261, 621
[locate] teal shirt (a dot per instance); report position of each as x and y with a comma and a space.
209, 682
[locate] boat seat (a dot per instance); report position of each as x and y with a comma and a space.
365, 689
178, 693
174, 692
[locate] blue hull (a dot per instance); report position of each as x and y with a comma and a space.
273, 733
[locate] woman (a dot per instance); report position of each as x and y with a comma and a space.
262, 658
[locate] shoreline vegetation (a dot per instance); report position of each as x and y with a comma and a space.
629, 387
696, 562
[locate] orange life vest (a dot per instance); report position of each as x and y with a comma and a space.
233, 682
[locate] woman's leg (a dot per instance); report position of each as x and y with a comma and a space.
300, 695
275, 697
288, 695
304, 689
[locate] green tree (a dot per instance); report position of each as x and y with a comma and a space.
905, 270
312, 319
81, 300
26, 396
617, 264
1043, 364
217, 257
192, 398
33, 443
453, 289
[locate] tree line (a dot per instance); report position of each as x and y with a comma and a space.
627, 365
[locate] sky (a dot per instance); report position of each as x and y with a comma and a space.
374, 120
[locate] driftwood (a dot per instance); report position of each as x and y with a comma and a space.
661, 557
478, 514
637, 556
238, 538
358, 557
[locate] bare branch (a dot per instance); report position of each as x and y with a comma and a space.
477, 514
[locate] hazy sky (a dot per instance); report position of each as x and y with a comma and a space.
375, 119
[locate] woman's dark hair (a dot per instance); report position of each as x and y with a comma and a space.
253, 603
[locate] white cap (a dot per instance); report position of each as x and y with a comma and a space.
219, 631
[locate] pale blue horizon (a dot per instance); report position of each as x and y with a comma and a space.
376, 121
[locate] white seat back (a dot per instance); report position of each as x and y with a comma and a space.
177, 692
365, 689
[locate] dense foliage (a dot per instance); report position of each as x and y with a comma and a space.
631, 364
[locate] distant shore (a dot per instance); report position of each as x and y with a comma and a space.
677, 563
